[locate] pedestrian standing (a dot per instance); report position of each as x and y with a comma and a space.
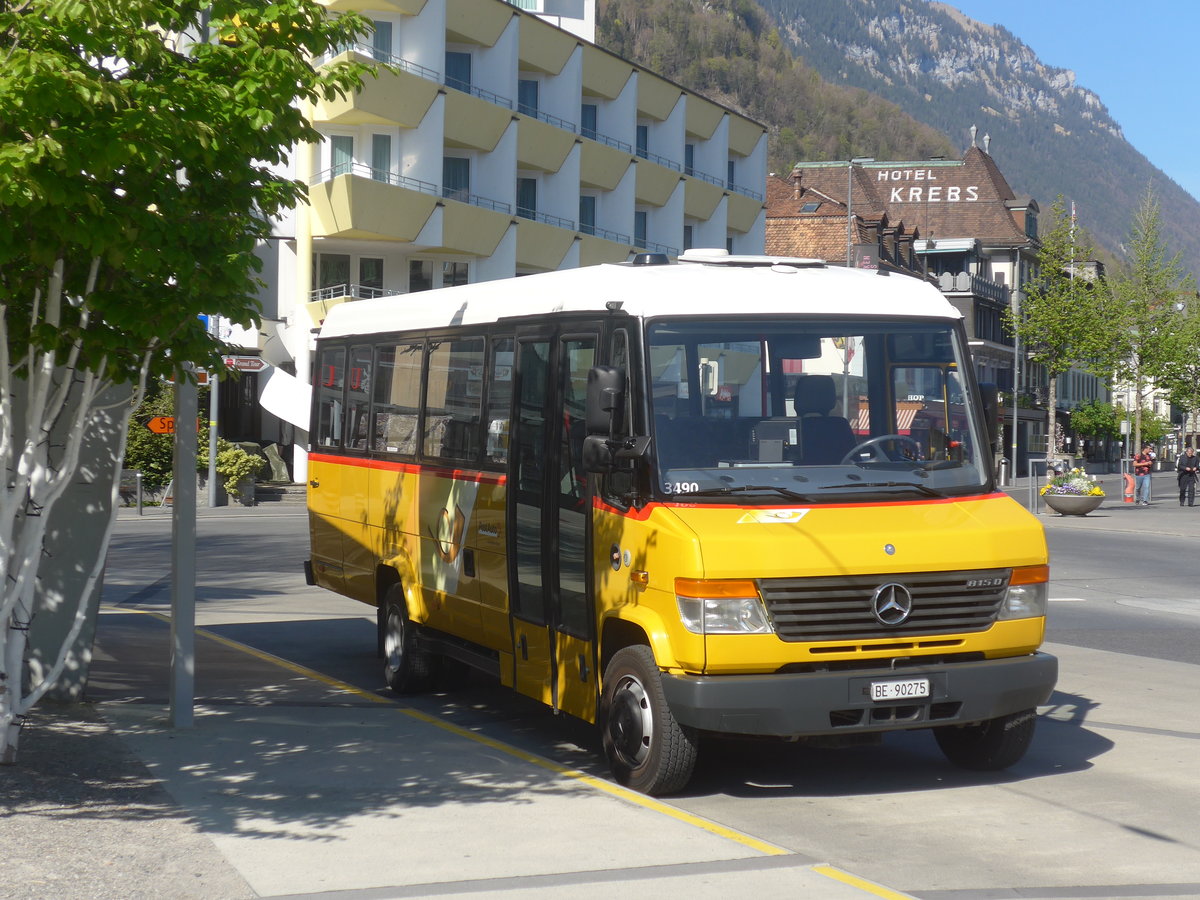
1142, 463
1187, 467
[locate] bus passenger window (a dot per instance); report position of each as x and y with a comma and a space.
331, 369
499, 404
358, 400
397, 398
453, 396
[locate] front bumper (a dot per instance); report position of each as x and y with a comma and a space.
823, 703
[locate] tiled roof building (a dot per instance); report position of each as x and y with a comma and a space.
968, 230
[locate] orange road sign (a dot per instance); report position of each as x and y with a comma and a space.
161, 424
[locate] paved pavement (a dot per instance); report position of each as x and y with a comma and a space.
293, 784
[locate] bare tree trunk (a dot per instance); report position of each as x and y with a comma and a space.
41, 452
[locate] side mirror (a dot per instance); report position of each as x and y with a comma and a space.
605, 400
991, 409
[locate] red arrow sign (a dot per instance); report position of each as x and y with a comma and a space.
246, 363
161, 424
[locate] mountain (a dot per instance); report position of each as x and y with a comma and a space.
731, 51
1048, 134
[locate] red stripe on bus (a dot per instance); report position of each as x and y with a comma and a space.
436, 471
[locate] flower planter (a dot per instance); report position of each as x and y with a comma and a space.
1073, 504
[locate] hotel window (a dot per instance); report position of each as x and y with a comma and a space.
458, 70
381, 41
527, 97
456, 178
527, 198
643, 141
381, 156
589, 115
687, 237
341, 154
587, 214
420, 275
689, 159
639, 228
729, 180
370, 272
454, 274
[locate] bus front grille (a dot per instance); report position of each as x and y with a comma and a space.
840, 607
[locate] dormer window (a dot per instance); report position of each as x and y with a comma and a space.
811, 206
1031, 224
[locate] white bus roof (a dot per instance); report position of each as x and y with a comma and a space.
705, 283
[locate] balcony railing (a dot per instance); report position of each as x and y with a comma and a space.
545, 218
615, 236
481, 93
655, 158
605, 139
976, 285
476, 200
535, 113
384, 57
742, 189
364, 171
652, 247
704, 176
347, 291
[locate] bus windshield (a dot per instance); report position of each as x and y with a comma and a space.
813, 411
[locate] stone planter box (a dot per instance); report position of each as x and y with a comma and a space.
1072, 504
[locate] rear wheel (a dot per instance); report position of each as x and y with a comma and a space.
988, 746
406, 667
646, 748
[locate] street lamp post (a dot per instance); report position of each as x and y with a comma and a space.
1016, 308
850, 164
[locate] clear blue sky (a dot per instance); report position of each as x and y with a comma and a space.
1141, 59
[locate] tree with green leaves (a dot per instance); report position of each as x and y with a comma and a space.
1062, 322
1180, 376
140, 148
1150, 290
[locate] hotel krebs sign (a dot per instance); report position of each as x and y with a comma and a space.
926, 192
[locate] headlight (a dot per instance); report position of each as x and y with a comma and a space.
720, 607
1028, 591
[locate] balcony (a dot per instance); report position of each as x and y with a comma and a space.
975, 285
357, 202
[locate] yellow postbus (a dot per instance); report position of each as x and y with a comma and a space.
731, 495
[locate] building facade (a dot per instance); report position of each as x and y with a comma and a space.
978, 241
496, 144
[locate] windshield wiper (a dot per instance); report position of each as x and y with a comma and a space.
742, 488
919, 488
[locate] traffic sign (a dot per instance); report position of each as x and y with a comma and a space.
246, 363
161, 424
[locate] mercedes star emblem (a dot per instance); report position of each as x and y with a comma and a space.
892, 603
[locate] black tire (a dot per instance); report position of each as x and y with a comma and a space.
406, 667
647, 749
989, 746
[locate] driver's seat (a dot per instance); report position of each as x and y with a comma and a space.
823, 439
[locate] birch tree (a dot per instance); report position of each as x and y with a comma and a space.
139, 146
1152, 291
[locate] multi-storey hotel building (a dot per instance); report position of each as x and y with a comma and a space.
496, 144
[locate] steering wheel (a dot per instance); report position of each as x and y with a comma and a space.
875, 445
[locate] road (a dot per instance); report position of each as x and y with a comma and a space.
1104, 805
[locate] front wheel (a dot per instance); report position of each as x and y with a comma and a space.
647, 749
407, 668
989, 746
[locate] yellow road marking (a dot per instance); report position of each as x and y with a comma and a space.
861, 883
598, 784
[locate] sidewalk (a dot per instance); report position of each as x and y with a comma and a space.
293, 784
1163, 516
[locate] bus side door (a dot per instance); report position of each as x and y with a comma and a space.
552, 614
